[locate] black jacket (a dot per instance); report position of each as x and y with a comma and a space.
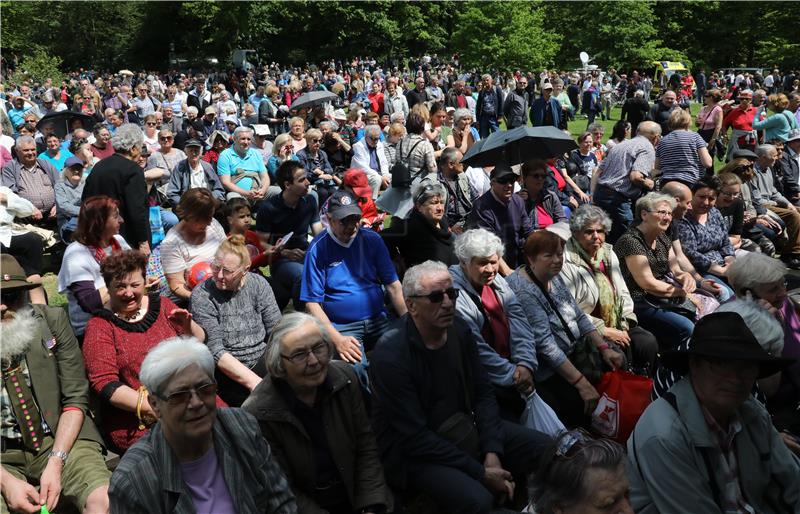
123, 180
417, 241
402, 386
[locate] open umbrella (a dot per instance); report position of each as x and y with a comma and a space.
126, 72
312, 99
519, 145
60, 123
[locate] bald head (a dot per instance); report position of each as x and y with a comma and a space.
649, 129
682, 195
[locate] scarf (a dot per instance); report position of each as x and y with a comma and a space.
100, 253
609, 303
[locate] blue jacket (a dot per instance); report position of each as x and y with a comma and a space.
537, 111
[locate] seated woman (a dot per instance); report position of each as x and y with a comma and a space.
561, 331
198, 456
652, 273
592, 273
218, 141
282, 150
117, 340
425, 234
704, 235
505, 339
95, 238
731, 206
319, 170
237, 310
579, 474
194, 240
619, 133
312, 413
68, 197
542, 204
463, 135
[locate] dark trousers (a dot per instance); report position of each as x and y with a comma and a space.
232, 392
619, 209
565, 401
643, 351
27, 248
457, 492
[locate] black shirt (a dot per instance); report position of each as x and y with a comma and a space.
278, 219
734, 217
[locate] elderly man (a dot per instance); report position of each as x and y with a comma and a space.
33, 179
369, 154
419, 94
489, 107
197, 458
435, 414
193, 172
312, 413
47, 438
546, 111
394, 100
623, 174
458, 202
345, 272
515, 107
790, 167
661, 110
241, 168
503, 213
19, 107
708, 445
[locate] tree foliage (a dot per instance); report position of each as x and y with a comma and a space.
37, 67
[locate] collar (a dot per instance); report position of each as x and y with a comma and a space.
498, 200
726, 436
339, 242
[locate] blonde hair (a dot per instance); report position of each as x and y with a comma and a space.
280, 142
422, 111
729, 179
312, 134
679, 119
235, 244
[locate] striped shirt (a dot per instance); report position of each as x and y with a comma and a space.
678, 158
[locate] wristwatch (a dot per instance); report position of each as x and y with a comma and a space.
61, 455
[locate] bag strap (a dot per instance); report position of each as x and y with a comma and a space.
552, 303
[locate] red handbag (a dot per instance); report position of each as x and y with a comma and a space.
623, 398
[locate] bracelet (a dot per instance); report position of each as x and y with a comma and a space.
573, 384
142, 392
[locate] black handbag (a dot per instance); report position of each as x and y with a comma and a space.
678, 304
401, 173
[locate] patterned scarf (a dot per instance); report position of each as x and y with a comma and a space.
100, 253
609, 303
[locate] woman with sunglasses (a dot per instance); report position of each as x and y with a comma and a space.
740, 120
151, 133
117, 339
542, 204
237, 310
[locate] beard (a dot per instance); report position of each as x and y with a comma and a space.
18, 334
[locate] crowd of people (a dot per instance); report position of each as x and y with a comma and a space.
324, 309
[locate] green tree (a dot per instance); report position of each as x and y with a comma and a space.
38, 66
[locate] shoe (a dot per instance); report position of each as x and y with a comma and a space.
792, 263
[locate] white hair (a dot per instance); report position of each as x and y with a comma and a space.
461, 113
477, 242
192, 109
753, 269
761, 323
127, 137
765, 149
289, 323
415, 274
373, 130
587, 214
170, 357
241, 128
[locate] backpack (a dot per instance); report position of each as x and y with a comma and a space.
401, 173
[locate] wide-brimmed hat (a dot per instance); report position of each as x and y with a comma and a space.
725, 336
12, 276
794, 135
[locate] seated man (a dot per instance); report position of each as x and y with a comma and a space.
292, 213
312, 413
241, 168
344, 275
459, 194
193, 172
369, 155
707, 445
436, 417
34, 179
196, 458
47, 437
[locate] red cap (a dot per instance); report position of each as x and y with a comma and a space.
356, 179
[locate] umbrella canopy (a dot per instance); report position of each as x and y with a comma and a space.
60, 123
519, 145
126, 72
312, 99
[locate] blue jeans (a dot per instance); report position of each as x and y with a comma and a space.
168, 219
725, 291
286, 276
618, 207
367, 332
487, 125
670, 328
68, 228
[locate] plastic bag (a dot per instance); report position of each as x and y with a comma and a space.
157, 233
540, 416
623, 398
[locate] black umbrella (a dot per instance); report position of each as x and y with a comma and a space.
61, 122
519, 145
312, 99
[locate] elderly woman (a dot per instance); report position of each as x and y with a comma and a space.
506, 342
682, 154
581, 475
564, 334
704, 235
237, 310
395, 134
583, 161
194, 240
315, 161
656, 283
68, 193
592, 273
218, 142
118, 338
777, 126
542, 204
424, 235
282, 150
335, 469
198, 458
297, 133
462, 137
268, 110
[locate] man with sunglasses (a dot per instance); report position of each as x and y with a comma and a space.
197, 458
46, 435
435, 413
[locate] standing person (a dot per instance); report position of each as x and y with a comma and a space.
682, 155
661, 111
546, 110
700, 82
418, 95
515, 107
120, 178
709, 122
740, 120
635, 110
777, 126
489, 107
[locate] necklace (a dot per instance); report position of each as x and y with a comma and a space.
129, 317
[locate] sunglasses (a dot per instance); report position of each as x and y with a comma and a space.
204, 392
151, 124
438, 296
165, 138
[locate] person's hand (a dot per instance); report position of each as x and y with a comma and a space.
688, 283
317, 171
491, 460
648, 183
144, 248
348, 347
152, 282
385, 181
457, 229
37, 214
50, 483
612, 357
182, 318
523, 193
791, 442
295, 254
523, 380
620, 337
588, 394
584, 198
573, 203
498, 481
20, 496
325, 176
710, 286
52, 213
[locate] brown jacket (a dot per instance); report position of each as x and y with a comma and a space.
350, 438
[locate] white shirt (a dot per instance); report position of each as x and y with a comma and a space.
197, 177
177, 255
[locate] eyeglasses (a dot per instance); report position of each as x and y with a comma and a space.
438, 296
320, 350
316, 140
204, 392
662, 214
216, 267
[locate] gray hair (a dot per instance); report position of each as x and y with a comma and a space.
326, 123
587, 214
397, 116
127, 137
762, 324
763, 150
241, 128
477, 242
449, 154
192, 109
649, 202
288, 323
638, 93
754, 269
594, 126
485, 76
746, 91
427, 189
414, 275
372, 131
25, 140
170, 357
460, 114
